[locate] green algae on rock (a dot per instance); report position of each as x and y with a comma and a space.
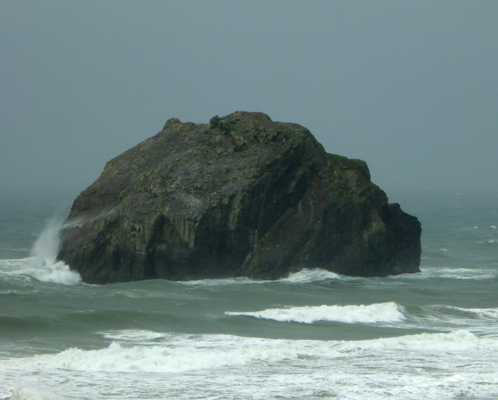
240, 196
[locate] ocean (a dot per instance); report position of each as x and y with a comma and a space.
311, 335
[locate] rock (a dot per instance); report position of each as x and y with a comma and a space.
240, 196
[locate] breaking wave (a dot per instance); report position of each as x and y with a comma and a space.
350, 314
450, 273
196, 352
42, 264
27, 268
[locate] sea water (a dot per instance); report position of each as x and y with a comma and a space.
311, 335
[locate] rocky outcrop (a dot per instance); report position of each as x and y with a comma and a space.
240, 196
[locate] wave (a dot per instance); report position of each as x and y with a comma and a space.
423, 366
469, 313
486, 313
221, 282
48, 270
57, 272
389, 314
304, 276
459, 340
450, 273
118, 358
42, 264
85, 321
312, 275
350, 314
446, 318
316, 275
197, 352
136, 335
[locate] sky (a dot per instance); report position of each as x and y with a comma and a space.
411, 87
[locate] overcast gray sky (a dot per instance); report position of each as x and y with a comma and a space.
411, 87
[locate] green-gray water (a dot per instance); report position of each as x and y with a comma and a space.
312, 335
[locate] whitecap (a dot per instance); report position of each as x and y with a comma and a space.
304, 276
350, 314
450, 273
57, 272
134, 335
480, 313
482, 321
311, 275
459, 340
26, 269
422, 366
220, 282
160, 358
200, 352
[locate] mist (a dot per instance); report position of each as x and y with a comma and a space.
409, 87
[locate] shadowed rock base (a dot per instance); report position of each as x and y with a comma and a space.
240, 196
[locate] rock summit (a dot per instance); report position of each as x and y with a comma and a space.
239, 196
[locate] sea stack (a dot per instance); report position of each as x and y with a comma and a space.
239, 196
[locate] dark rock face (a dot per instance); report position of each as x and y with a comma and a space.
240, 196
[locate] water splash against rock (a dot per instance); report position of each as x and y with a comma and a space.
43, 265
46, 245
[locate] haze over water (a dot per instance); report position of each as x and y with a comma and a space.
411, 87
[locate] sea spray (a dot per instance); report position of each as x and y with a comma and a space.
45, 248
42, 264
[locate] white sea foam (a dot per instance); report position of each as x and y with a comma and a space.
220, 282
42, 264
351, 314
162, 358
311, 275
430, 366
476, 314
28, 268
459, 340
482, 321
57, 272
135, 335
196, 352
304, 276
33, 394
450, 273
